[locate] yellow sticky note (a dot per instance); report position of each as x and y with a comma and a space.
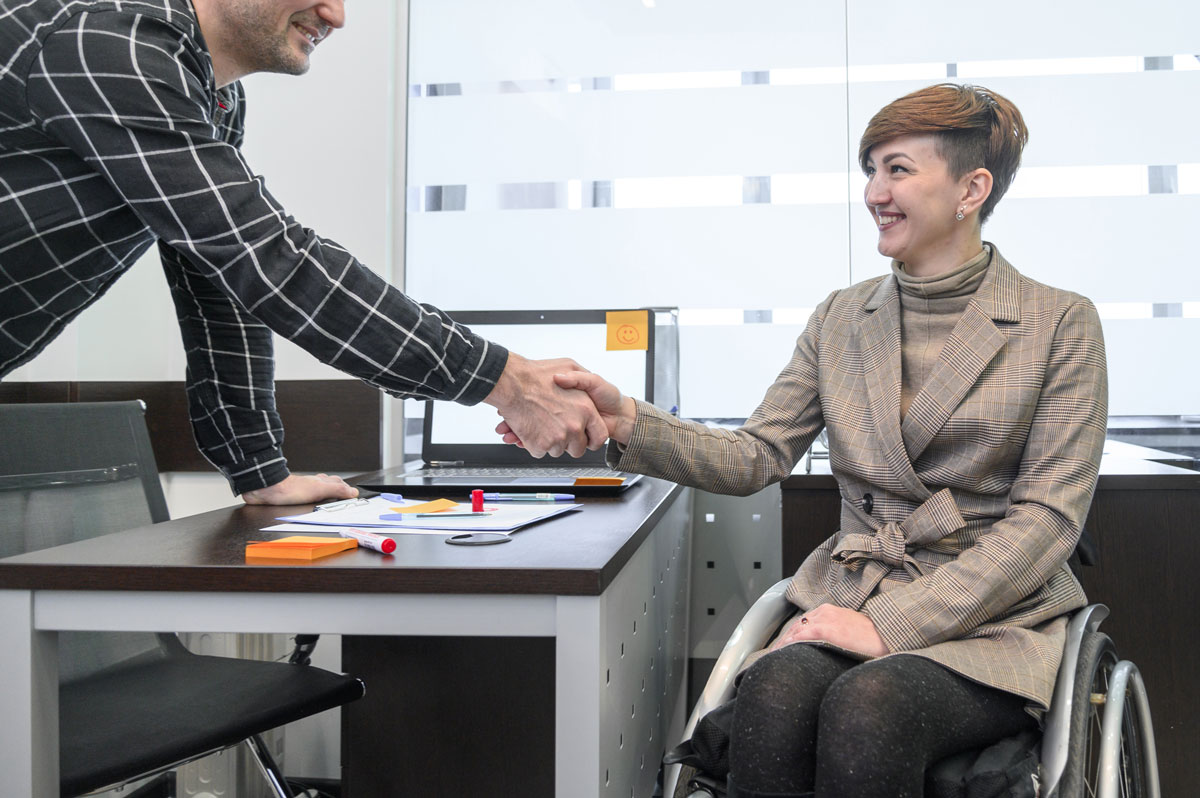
435, 506
628, 329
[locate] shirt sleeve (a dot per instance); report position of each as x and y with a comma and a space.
742, 461
1049, 503
230, 379
132, 96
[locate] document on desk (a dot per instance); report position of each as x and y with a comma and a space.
388, 517
311, 528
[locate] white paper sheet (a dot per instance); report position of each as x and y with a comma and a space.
372, 514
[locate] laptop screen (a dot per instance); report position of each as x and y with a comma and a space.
453, 432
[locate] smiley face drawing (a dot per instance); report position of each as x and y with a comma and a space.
628, 335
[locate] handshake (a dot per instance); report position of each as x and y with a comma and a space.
548, 406
556, 406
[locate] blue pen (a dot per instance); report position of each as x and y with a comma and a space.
529, 497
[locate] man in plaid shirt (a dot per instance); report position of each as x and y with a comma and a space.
120, 126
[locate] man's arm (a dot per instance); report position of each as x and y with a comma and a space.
231, 394
133, 96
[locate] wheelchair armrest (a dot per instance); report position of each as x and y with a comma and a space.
755, 630
1057, 735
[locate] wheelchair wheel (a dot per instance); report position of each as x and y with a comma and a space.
1097, 658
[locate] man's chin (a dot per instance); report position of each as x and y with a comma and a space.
291, 66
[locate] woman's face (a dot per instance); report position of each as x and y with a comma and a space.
913, 200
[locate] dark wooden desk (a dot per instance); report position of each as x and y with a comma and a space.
1145, 518
602, 590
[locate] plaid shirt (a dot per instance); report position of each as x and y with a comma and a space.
113, 135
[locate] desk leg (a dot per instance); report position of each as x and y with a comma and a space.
28, 701
577, 716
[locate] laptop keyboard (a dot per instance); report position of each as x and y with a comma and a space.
515, 471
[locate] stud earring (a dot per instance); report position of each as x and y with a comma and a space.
960, 215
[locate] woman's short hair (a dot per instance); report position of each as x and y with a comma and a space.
974, 128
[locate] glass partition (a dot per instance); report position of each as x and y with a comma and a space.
590, 153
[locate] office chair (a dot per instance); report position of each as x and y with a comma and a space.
1098, 739
133, 705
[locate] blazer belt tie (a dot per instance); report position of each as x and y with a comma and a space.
892, 542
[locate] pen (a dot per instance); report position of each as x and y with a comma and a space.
340, 505
371, 540
529, 497
449, 515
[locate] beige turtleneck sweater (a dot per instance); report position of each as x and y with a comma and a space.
929, 309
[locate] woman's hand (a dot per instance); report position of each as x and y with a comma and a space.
619, 412
838, 626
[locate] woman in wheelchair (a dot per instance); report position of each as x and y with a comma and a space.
965, 406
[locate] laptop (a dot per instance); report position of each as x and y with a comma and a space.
460, 448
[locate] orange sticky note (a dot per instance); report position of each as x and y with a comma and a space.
628, 329
299, 547
599, 480
435, 506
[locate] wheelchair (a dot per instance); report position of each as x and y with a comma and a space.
1098, 739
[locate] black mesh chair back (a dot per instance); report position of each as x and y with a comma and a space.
70, 472
73, 471
133, 703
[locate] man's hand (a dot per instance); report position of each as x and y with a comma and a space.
844, 628
539, 415
297, 489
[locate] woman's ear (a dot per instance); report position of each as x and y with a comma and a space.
977, 187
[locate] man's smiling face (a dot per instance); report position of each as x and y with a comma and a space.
278, 35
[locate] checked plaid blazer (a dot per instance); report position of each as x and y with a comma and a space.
978, 495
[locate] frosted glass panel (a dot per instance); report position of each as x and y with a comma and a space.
1093, 246
470, 40
1112, 249
703, 155
1152, 364
782, 257
750, 357
750, 130
1085, 120
935, 31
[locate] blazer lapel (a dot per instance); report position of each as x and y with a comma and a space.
879, 343
972, 344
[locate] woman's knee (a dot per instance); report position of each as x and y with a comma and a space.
866, 702
790, 675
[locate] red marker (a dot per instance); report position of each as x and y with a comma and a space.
380, 543
477, 501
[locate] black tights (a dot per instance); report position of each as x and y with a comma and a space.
806, 719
